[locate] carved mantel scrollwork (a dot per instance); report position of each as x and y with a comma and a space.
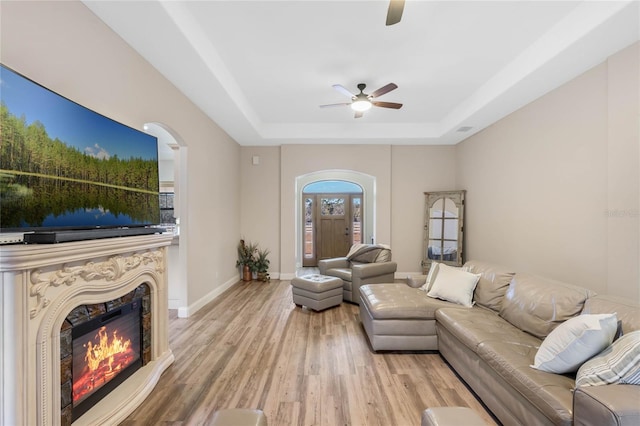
110, 270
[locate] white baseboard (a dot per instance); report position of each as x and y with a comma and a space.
186, 311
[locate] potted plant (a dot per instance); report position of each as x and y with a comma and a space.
261, 264
246, 258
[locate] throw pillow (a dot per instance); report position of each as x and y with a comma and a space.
454, 285
619, 363
431, 277
575, 341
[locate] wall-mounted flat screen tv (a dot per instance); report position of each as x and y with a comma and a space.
64, 166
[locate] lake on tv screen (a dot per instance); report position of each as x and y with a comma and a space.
54, 203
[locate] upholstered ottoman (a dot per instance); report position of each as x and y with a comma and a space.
451, 416
317, 292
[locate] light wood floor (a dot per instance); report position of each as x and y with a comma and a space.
253, 348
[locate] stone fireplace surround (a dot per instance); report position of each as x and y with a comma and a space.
40, 285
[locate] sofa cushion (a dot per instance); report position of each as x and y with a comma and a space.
538, 305
575, 341
476, 325
454, 285
627, 310
399, 301
619, 363
493, 284
343, 273
550, 393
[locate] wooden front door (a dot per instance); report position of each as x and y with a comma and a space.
332, 223
333, 214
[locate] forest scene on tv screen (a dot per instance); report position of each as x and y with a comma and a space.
65, 166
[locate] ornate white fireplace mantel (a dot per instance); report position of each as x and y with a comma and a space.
40, 285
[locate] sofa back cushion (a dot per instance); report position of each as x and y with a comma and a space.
627, 311
493, 284
538, 305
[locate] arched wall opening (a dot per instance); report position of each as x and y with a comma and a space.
365, 181
173, 155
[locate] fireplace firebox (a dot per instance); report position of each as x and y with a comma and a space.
101, 346
105, 352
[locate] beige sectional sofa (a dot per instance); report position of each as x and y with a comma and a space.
492, 345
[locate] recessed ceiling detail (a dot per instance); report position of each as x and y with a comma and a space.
462, 63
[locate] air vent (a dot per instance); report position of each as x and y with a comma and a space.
464, 129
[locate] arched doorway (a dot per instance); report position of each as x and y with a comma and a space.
172, 156
366, 182
332, 219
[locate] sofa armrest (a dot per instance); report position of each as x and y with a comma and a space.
606, 405
336, 262
367, 270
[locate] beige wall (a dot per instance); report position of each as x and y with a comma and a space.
623, 175
552, 189
415, 170
63, 46
260, 200
402, 174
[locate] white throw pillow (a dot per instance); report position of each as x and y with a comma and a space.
574, 341
619, 363
454, 285
431, 277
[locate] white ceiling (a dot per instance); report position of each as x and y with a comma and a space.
260, 69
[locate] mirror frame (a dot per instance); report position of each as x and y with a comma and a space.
457, 197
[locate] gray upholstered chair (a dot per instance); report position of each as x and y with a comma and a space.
364, 264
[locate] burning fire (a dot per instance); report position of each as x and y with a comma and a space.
103, 360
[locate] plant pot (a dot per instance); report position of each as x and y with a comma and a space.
246, 273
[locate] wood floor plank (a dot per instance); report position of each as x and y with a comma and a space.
253, 348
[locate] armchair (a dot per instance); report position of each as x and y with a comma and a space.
364, 264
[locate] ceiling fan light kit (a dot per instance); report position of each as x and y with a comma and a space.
361, 105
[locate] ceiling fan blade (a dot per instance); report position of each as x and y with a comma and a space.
358, 114
340, 88
395, 11
335, 105
384, 89
387, 105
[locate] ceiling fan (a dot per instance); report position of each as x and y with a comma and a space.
395, 11
363, 102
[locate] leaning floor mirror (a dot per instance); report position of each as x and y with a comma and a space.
443, 228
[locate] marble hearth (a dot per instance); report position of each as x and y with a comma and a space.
40, 286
